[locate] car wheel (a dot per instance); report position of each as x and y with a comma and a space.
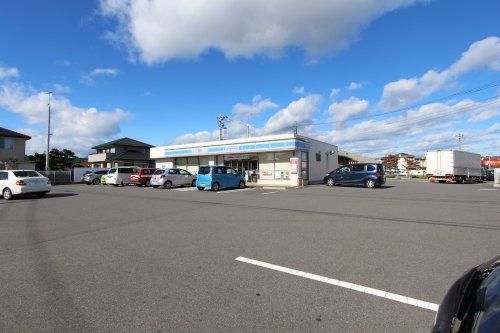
41, 195
241, 185
201, 188
215, 187
7, 194
370, 183
148, 183
121, 184
330, 182
96, 181
168, 184
193, 183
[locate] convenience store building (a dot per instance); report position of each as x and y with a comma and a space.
283, 159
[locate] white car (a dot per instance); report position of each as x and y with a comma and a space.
172, 177
19, 182
119, 176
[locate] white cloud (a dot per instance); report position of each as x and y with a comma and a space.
481, 54
342, 111
161, 30
334, 93
299, 90
89, 78
300, 111
355, 85
73, 127
8, 72
258, 106
488, 112
60, 89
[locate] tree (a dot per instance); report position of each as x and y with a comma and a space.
390, 162
59, 159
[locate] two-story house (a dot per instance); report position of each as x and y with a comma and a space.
121, 152
12, 148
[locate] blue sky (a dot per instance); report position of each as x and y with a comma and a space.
161, 71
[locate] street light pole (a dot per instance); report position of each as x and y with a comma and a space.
48, 137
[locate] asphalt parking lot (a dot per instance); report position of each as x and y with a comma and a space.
107, 259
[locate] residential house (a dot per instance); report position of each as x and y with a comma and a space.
121, 152
12, 149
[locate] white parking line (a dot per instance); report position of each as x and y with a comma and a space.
237, 190
184, 189
270, 192
487, 189
343, 284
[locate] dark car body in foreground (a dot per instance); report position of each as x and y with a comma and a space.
472, 304
370, 175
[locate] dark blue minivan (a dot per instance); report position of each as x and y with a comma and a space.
370, 175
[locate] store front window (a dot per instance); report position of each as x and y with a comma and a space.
304, 158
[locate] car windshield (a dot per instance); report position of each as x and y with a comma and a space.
135, 171
26, 174
87, 173
111, 170
204, 170
159, 172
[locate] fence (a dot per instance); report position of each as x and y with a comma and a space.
58, 177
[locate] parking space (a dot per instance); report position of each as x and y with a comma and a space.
104, 258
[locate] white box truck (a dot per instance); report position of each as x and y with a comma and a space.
453, 166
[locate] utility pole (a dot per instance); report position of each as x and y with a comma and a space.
48, 136
221, 119
460, 136
295, 128
248, 130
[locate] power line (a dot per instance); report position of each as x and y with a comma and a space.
403, 122
413, 106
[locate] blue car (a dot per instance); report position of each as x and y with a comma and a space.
370, 175
217, 177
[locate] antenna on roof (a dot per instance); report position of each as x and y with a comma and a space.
221, 119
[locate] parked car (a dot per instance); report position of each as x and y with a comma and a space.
472, 303
142, 176
172, 177
217, 177
103, 178
119, 176
370, 175
93, 177
20, 182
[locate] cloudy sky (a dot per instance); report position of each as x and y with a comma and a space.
372, 76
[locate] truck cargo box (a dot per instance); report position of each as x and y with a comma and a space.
453, 164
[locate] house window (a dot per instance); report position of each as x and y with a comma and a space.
318, 157
7, 143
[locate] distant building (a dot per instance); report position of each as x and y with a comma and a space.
121, 152
346, 157
13, 149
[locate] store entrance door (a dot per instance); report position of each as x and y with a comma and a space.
242, 165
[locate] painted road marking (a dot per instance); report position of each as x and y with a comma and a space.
270, 192
185, 189
343, 284
487, 189
237, 190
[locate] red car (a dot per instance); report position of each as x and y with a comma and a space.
142, 176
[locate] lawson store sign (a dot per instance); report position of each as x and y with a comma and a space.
239, 148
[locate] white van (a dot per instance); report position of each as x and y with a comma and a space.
119, 176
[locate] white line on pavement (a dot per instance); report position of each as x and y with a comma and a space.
238, 190
343, 284
185, 189
487, 189
270, 192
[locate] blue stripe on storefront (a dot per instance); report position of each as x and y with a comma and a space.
250, 147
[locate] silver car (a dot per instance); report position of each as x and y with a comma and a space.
93, 177
172, 177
